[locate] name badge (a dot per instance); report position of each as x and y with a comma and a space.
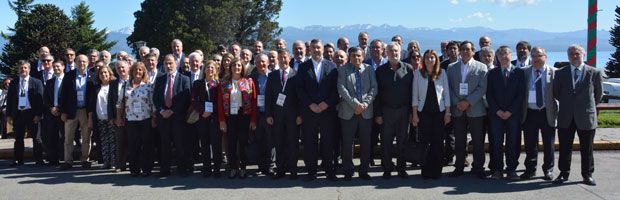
22, 101
80, 95
463, 89
234, 108
531, 98
281, 98
260, 100
208, 107
137, 107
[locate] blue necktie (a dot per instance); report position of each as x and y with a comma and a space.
358, 84
539, 97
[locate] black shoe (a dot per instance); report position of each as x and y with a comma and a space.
332, 177
348, 177
206, 174
561, 179
134, 174
364, 176
403, 174
482, 175
217, 173
372, 162
278, 175
65, 166
527, 175
310, 177
548, 176
456, 173
86, 164
164, 174
589, 181
146, 174
39, 163
51, 164
243, 174
293, 176
15, 164
232, 174
512, 176
267, 172
387, 175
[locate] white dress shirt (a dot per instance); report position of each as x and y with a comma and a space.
317, 69
23, 92
235, 94
57, 88
102, 102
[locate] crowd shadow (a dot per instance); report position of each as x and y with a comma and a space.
28, 174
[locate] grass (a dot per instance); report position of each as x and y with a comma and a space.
609, 119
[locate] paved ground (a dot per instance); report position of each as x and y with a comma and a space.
27, 182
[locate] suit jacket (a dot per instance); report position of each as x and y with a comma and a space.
67, 99
254, 77
514, 62
507, 98
476, 80
420, 87
347, 88
199, 96
290, 107
35, 97
578, 104
309, 91
113, 98
48, 94
291, 64
180, 94
551, 105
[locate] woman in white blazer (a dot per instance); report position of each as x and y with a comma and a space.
431, 110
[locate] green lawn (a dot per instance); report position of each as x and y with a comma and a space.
609, 119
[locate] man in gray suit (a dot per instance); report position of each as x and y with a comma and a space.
357, 86
578, 88
540, 111
468, 83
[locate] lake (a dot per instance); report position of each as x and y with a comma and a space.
602, 57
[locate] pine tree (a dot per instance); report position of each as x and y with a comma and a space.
613, 66
87, 37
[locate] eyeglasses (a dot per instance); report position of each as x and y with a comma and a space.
47, 60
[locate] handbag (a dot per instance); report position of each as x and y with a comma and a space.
193, 117
416, 151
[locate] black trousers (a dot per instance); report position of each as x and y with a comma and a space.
122, 151
194, 140
24, 121
172, 130
535, 121
313, 124
238, 128
286, 140
140, 145
395, 125
432, 131
263, 136
586, 137
461, 125
210, 144
449, 142
54, 130
357, 125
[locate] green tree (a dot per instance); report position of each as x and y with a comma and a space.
87, 37
42, 25
201, 24
613, 66
21, 6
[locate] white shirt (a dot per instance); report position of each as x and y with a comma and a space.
194, 76
174, 76
317, 69
296, 63
152, 76
235, 94
465, 69
520, 64
47, 75
57, 88
102, 102
23, 90
120, 86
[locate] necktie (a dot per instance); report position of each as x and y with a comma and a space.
505, 77
358, 84
44, 76
169, 93
576, 76
539, 97
23, 87
283, 77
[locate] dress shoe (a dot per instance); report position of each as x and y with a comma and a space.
372, 162
561, 179
278, 175
146, 174
267, 172
466, 163
206, 174
387, 175
403, 174
86, 164
293, 176
232, 174
448, 163
39, 163
105, 166
548, 176
348, 177
456, 173
309, 177
164, 174
589, 181
364, 176
482, 175
217, 173
332, 177
134, 174
512, 176
243, 174
527, 175
497, 175
51, 164
65, 166
15, 164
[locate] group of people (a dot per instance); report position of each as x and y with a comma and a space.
328, 99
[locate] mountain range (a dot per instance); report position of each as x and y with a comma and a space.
429, 38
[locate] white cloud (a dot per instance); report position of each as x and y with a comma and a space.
516, 3
456, 20
471, 1
476, 15
454, 2
489, 19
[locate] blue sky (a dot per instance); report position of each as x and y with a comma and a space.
545, 15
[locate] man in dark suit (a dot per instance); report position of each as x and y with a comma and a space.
35, 66
193, 145
24, 107
318, 95
523, 55
93, 57
72, 103
505, 95
283, 113
177, 51
392, 108
485, 41
299, 55
540, 112
262, 134
116, 89
69, 59
171, 99
578, 89
54, 128
46, 71
451, 55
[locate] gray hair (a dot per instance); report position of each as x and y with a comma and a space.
23, 62
47, 55
216, 55
155, 49
121, 62
507, 48
90, 51
176, 40
354, 49
194, 54
145, 48
488, 50
393, 44
544, 52
576, 47
105, 52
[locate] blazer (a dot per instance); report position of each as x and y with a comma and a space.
48, 94
420, 86
578, 104
180, 94
67, 99
346, 89
309, 91
113, 97
476, 80
199, 96
35, 96
507, 98
248, 99
274, 88
551, 105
